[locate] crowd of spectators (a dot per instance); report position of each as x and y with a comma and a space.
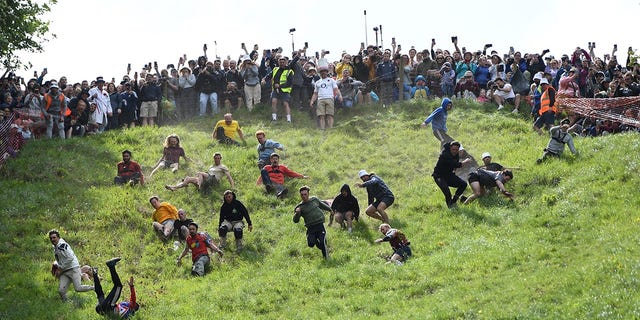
369, 75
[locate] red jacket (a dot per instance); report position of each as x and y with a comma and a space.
277, 174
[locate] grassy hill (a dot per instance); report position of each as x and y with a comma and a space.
566, 248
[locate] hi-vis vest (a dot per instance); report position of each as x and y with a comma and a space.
48, 100
283, 78
545, 102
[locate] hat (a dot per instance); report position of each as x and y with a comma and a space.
486, 154
185, 67
461, 148
311, 69
362, 173
246, 58
544, 81
323, 68
274, 155
537, 76
573, 69
53, 85
99, 79
600, 73
420, 78
468, 74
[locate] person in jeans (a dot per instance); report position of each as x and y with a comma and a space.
68, 270
109, 305
198, 243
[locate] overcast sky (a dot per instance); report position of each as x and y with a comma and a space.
99, 38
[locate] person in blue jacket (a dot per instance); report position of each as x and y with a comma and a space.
438, 120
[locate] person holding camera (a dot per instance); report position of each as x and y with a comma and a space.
502, 92
209, 83
349, 89
251, 78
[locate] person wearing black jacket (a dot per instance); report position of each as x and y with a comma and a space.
231, 214
345, 208
209, 83
444, 175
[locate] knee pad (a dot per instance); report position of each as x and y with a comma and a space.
222, 231
237, 232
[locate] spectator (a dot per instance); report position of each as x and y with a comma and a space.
548, 110
465, 65
232, 212
447, 80
569, 87
128, 115
232, 97
55, 109
310, 209
497, 68
398, 241
350, 89
187, 98
325, 90
210, 81
502, 93
281, 82
386, 76
420, 90
379, 195
205, 180
467, 87
272, 176
129, 171
150, 95
100, 97
164, 216
199, 244
171, 153
251, 78
115, 99
482, 75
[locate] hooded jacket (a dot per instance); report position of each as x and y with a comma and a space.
438, 117
234, 211
343, 203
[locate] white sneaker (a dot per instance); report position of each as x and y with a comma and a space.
176, 245
514, 111
500, 107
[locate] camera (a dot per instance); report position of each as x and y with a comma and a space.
242, 45
292, 30
306, 44
326, 52
488, 45
454, 38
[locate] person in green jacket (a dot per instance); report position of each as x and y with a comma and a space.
310, 209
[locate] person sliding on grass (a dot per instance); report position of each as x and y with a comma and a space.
380, 197
398, 241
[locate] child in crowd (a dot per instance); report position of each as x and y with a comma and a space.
398, 241
420, 90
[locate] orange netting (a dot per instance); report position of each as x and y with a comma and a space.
625, 110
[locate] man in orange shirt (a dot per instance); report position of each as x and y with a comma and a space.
163, 217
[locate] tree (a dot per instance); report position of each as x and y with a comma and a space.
22, 29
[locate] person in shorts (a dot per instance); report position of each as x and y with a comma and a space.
205, 180
171, 154
163, 217
398, 241
324, 92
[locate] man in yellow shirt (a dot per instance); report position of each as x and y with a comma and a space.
225, 131
163, 217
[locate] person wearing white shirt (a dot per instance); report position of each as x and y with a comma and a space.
100, 96
325, 90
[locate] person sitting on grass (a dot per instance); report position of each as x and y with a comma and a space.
164, 216
205, 180
398, 241
225, 131
198, 243
129, 171
345, 208
482, 179
272, 176
110, 306
232, 212
170, 155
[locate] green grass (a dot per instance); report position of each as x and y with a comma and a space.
566, 248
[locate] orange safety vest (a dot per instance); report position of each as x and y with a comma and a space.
48, 100
545, 102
